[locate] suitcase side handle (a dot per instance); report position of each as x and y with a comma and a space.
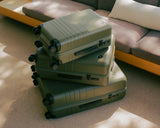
90, 103
66, 76
92, 48
84, 51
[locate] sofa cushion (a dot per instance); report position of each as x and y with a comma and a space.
149, 47
47, 10
126, 34
142, 14
92, 3
108, 4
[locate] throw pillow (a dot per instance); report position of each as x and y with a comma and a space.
142, 14
108, 4
151, 2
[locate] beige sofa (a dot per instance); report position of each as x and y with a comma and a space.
135, 45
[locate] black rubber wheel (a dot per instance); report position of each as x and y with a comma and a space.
35, 75
37, 30
35, 82
31, 58
38, 44
33, 68
46, 102
48, 115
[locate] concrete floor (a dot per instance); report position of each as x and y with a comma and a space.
21, 102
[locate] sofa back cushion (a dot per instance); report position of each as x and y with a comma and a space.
142, 14
92, 3
108, 4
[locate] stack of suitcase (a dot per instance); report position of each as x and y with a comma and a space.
74, 64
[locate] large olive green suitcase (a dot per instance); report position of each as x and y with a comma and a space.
64, 98
73, 36
96, 63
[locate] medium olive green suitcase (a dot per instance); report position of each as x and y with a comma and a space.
64, 98
92, 69
73, 36
98, 63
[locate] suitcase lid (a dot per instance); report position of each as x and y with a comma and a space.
74, 25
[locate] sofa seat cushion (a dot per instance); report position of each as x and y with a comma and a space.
47, 10
149, 47
126, 34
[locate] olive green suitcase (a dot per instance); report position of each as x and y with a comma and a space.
96, 63
73, 36
64, 98
92, 69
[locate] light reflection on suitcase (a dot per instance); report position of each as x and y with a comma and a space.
64, 98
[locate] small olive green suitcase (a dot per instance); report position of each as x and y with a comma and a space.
73, 36
64, 98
